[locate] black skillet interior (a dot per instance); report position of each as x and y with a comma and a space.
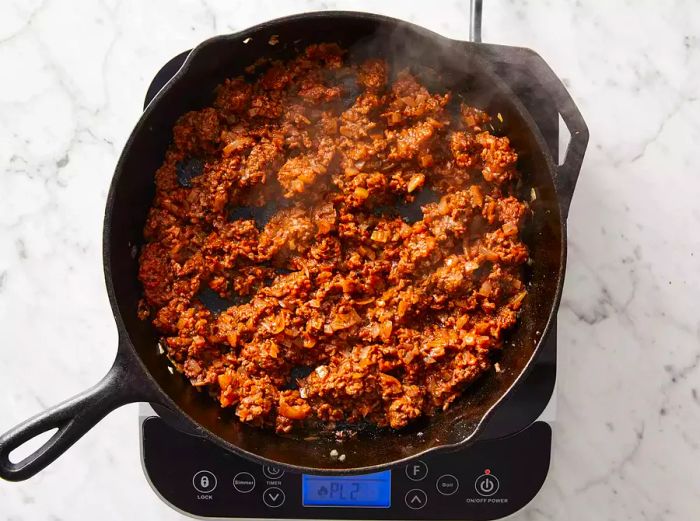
402, 44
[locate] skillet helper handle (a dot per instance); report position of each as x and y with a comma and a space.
570, 167
555, 92
73, 418
568, 170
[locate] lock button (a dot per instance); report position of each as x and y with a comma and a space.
204, 481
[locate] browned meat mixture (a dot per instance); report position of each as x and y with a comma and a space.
359, 234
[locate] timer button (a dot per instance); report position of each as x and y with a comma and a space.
204, 481
273, 497
272, 472
416, 471
487, 484
416, 499
447, 484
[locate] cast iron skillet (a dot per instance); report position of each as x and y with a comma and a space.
140, 373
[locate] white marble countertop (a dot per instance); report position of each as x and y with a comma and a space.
627, 438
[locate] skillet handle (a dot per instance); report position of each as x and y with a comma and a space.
475, 9
73, 418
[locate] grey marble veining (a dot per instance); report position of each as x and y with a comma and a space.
628, 417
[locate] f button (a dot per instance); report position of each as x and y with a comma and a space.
416, 470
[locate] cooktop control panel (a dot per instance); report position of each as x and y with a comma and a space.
488, 480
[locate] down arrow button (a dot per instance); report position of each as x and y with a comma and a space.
273, 497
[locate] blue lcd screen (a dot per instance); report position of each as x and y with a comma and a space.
367, 490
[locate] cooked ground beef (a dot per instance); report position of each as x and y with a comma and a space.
290, 201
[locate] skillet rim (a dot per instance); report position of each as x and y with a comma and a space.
125, 343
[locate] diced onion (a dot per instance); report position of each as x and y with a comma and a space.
415, 182
344, 320
386, 329
361, 193
380, 235
294, 412
509, 229
485, 289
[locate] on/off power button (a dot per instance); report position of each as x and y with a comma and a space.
487, 484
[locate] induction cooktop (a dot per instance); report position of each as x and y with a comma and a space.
492, 478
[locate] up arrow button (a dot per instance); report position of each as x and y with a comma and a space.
416, 499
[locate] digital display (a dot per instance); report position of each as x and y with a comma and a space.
367, 490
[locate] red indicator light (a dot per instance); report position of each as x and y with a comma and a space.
487, 471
